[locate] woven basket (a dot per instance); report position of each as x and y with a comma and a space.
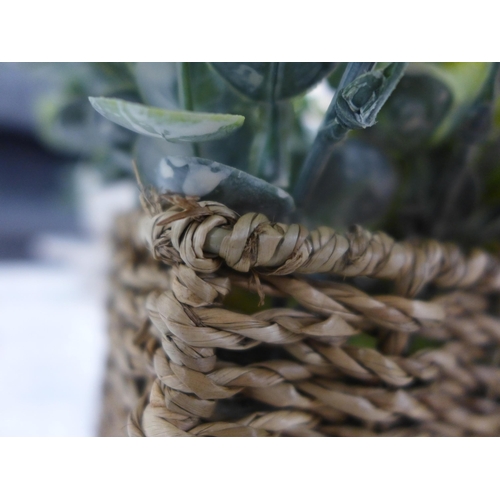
223, 325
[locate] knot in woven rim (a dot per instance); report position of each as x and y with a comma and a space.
179, 234
204, 234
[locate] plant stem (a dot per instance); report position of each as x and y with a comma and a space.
184, 88
324, 143
355, 105
273, 158
185, 94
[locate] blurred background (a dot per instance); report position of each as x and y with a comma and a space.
54, 215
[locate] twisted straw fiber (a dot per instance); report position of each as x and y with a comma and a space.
188, 359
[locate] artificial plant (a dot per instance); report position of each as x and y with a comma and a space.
410, 149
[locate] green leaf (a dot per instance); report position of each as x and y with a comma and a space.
174, 126
210, 180
273, 81
362, 340
356, 187
414, 111
465, 80
70, 125
157, 83
358, 104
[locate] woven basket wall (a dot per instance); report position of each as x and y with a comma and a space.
223, 325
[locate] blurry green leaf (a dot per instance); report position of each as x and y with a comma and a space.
174, 126
211, 92
336, 75
465, 80
356, 187
413, 112
157, 83
70, 125
273, 81
105, 79
210, 180
116, 73
419, 343
245, 302
477, 118
362, 340
67, 123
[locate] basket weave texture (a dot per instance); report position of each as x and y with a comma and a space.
222, 325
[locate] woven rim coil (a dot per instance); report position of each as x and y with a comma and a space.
317, 354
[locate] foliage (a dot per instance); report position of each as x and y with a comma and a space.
412, 149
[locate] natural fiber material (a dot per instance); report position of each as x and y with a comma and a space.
243, 327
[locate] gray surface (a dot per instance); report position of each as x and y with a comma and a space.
35, 194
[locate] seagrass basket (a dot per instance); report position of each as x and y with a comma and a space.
222, 325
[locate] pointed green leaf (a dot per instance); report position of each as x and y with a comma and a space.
174, 126
210, 180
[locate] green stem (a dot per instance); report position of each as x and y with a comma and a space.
355, 105
271, 167
270, 157
185, 94
184, 89
322, 147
